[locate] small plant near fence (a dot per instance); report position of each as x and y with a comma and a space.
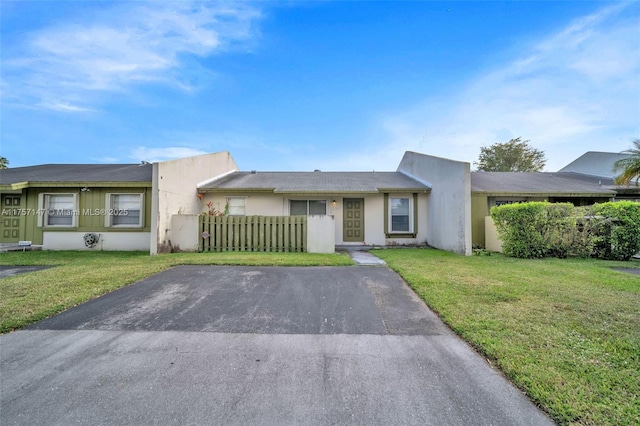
542, 229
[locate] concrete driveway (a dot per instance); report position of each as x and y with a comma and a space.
253, 345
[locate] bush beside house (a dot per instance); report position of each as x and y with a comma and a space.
542, 229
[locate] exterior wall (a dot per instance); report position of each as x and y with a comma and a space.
449, 208
479, 210
91, 210
175, 191
492, 241
110, 241
268, 204
186, 235
320, 234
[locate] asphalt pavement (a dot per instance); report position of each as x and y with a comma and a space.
225, 345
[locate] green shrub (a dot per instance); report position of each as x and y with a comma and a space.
519, 228
540, 229
617, 236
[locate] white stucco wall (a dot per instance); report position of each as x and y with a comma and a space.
185, 233
320, 232
449, 205
174, 191
113, 241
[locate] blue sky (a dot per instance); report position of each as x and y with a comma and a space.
315, 85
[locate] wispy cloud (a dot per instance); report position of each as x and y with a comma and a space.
573, 91
64, 67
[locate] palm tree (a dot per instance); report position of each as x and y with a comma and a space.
630, 166
4, 163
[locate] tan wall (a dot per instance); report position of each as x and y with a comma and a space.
492, 241
175, 191
479, 210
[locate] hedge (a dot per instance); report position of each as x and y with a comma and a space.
542, 229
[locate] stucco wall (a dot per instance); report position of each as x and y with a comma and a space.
111, 241
449, 205
174, 190
492, 241
320, 234
185, 233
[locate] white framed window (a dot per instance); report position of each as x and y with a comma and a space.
236, 206
307, 207
124, 211
401, 214
58, 210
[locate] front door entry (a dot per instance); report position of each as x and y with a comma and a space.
353, 220
10, 219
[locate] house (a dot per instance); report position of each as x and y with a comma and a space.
595, 163
401, 207
489, 189
77, 206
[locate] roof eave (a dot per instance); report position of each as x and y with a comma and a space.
48, 184
543, 194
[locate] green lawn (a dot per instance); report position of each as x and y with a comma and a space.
566, 332
81, 276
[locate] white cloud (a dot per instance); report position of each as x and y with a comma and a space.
134, 42
574, 91
152, 155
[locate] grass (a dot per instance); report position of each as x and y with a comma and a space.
566, 332
81, 276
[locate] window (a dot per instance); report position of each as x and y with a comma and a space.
124, 210
236, 206
401, 215
307, 207
59, 210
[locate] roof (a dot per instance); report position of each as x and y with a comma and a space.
595, 163
50, 174
315, 182
541, 183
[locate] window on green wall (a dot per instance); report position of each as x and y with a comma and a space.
125, 210
59, 210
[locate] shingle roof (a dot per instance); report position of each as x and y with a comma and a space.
77, 173
316, 182
595, 163
540, 183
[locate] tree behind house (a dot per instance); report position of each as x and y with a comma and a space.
513, 156
629, 167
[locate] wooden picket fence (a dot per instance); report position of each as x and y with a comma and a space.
253, 233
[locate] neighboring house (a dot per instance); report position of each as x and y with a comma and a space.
489, 189
56, 205
595, 163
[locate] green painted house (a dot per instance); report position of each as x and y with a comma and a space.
77, 206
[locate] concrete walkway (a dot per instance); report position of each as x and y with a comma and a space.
361, 255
